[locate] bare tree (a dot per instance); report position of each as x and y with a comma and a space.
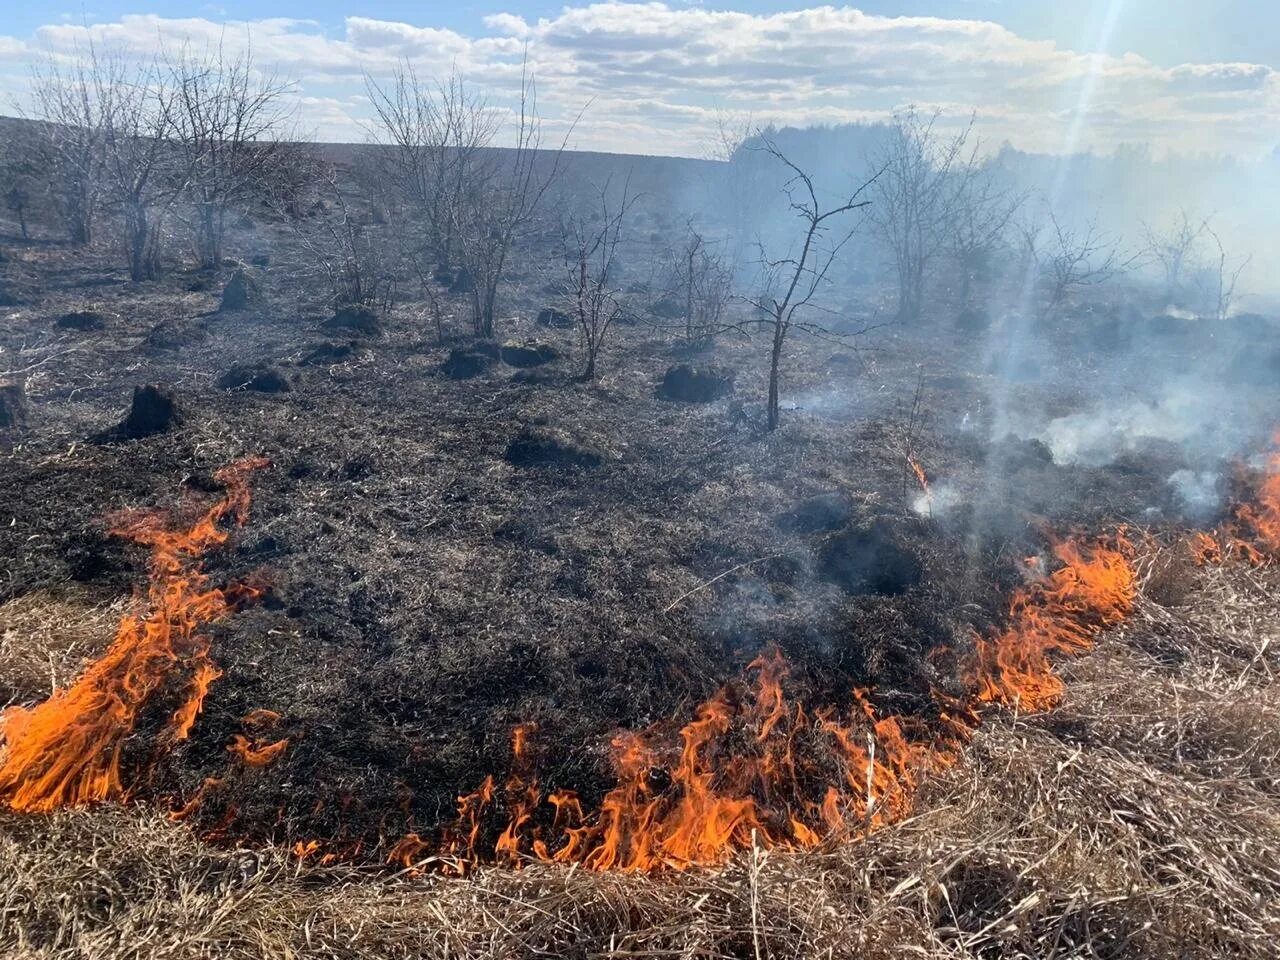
66, 102
23, 174
794, 280
590, 259
436, 132
1174, 249
704, 282
1070, 258
290, 184
1224, 277
228, 124
923, 175
353, 254
144, 173
501, 198
739, 183
981, 210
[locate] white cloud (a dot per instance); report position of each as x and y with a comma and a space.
668, 70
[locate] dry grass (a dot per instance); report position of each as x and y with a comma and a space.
1141, 819
45, 638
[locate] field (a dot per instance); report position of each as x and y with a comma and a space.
451, 540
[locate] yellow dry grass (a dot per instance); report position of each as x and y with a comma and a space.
46, 637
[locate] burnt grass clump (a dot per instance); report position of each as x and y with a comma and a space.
452, 542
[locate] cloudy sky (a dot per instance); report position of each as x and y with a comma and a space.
1189, 75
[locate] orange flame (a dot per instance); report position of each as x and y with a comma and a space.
760, 770
1057, 616
923, 480
254, 754
1259, 520
67, 750
1205, 548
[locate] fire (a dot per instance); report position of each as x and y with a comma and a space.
1060, 615
1259, 519
255, 754
754, 768
1205, 548
923, 480
67, 750
254, 751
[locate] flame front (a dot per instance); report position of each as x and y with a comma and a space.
753, 767
1258, 519
761, 770
1058, 616
67, 750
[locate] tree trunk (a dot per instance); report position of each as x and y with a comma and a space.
775, 360
142, 251
210, 239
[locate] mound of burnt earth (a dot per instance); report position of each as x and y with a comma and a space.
696, 384
471, 360
553, 318
178, 334
357, 318
242, 292
546, 446
529, 353
155, 409
869, 561
328, 353
260, 378
83, 320
13, 406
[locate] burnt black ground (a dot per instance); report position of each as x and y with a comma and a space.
427, 594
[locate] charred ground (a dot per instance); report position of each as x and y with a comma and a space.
431, 586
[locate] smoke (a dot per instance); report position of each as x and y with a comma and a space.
938, 501
1199, 491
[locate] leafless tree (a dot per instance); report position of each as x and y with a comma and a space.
704, 283
436, 132
591, 259
353, 253
66, 102
501, 196
1065, 258
793, 281
1174, 249
1224, 277
923, 175
291, 185
23, 174
145, 174
228, 124
981, 211
740, 182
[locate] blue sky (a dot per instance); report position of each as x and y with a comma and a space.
1187, 75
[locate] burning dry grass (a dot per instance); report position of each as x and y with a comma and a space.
1138, 819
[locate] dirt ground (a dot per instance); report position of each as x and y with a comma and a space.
426, 594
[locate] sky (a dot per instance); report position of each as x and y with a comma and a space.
1048, 75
